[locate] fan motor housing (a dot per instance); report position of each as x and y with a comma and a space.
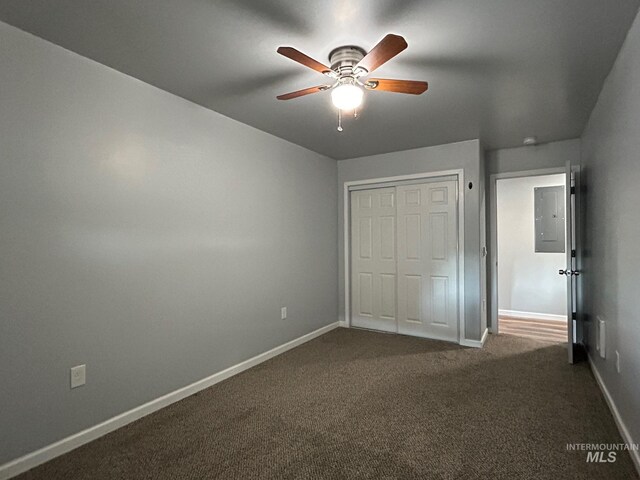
344, 59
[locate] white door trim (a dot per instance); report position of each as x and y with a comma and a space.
493, 232
459, 173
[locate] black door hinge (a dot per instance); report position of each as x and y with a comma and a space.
573, 254
573, 190
574, 316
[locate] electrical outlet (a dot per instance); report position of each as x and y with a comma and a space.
78, 376
617, 361
283, 313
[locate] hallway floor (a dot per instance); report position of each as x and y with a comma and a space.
546, 330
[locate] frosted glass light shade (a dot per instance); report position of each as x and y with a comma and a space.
347, 96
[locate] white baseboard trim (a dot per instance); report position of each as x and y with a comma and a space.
343, 324
484, 336
475, 343
622, 428
532, 315
33, 459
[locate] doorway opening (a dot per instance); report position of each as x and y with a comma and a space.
531, 251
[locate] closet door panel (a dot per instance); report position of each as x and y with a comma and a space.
373, 259
427, 260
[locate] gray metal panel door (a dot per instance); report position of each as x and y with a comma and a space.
549, 219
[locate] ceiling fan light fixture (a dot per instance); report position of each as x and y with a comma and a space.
348, 64
347, 96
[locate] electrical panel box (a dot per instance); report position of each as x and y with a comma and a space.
549, 205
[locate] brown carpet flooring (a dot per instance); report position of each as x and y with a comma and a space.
358, 404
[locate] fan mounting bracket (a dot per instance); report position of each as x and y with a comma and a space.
344, 59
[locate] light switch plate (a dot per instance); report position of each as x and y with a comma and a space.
78, 376
283, 313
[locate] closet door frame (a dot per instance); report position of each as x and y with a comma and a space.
392, 182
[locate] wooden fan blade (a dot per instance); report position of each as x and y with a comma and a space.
385, 50
399, 86
301, 93
298, 56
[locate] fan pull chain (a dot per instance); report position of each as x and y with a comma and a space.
340, 120
355, 113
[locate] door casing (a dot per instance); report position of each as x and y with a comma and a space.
398, 180
493, 233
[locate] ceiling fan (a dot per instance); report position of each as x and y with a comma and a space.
348, 65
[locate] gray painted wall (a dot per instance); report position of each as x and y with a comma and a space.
465, 155
611, 228
546, 155
528, 281
145, 236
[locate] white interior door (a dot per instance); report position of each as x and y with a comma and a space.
574, 257
373, 254
428, 260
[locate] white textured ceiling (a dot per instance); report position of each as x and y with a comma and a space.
498, 70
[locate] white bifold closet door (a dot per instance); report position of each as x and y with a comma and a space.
428, 260
373, 240
404, 250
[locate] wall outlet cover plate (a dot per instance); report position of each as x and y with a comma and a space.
78, 376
